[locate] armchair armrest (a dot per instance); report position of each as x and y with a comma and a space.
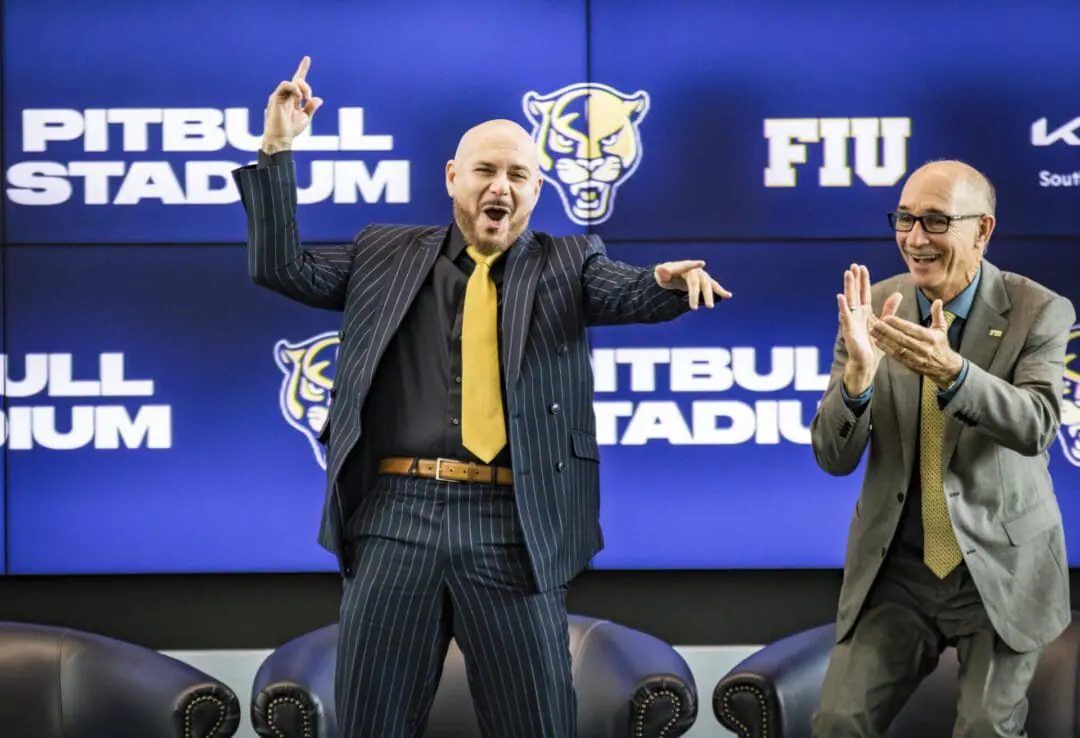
774, 691
645, 682
85, 685
293, 690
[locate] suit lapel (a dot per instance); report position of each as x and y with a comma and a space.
523, 265
407, 271
906, 384
986, 326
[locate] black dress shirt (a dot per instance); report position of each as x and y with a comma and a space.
415, 397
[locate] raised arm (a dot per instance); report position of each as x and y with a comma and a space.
276, 258
840, 429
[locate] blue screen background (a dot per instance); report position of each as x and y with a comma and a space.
165, 284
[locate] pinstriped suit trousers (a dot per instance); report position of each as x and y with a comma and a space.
439, 560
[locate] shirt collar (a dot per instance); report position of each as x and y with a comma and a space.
455, 244
959, 306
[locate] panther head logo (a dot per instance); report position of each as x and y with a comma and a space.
1069, 431
308, 367
589, 144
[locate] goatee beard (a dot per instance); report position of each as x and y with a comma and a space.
468, 229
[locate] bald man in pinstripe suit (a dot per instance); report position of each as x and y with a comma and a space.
462, 486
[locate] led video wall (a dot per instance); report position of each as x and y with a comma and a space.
151, 421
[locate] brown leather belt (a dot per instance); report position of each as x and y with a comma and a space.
447, 470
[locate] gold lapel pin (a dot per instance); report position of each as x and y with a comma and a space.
995, 333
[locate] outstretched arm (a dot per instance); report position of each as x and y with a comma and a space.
617, 293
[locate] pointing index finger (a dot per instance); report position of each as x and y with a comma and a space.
302, 70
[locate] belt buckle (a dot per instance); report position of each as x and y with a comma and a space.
438, 470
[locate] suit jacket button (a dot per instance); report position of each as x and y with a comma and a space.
899, 496
562, 348
560, 466
555, 409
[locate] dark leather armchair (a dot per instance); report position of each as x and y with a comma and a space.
774, 691
63, 683
628, 683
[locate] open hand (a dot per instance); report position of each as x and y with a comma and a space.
689, 277
289, 110
923, 350
856, 312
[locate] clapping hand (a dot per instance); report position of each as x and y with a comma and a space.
925, 351
689, 277
857, 320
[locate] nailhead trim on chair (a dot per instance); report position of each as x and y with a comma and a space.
640, 726
191, 708
725, 706
308, 732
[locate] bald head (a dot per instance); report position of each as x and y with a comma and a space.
969, 189
497, 134
949, 217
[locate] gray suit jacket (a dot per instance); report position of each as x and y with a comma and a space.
554, 289
999, 427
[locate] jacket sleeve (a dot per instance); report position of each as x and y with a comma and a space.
276, 259
616, 293
840, 430
1023, 415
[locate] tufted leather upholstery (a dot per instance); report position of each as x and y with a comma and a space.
62, 683
628, 684
773, 692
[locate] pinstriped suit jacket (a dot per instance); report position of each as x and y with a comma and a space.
554, 289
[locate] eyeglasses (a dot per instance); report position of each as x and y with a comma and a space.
931, 222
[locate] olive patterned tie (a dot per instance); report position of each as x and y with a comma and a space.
941, 552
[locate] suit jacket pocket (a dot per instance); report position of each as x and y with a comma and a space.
1029, 524
584, 445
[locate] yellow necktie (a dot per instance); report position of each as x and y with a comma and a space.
483, 425
941, 552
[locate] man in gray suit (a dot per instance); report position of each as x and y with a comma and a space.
951, 376
462, 462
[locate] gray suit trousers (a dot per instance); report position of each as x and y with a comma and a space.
910, 618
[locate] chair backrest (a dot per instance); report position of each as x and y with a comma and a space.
1052, 697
